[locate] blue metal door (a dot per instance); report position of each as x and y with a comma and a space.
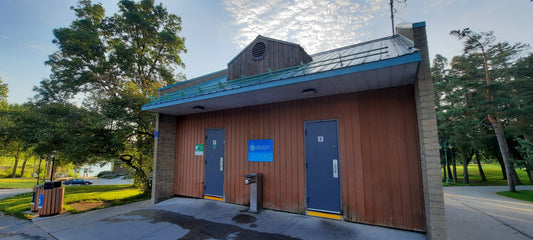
322, 166
214, 162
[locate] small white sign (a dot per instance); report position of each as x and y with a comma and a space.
320, 138
214, 142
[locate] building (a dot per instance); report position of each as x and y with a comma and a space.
348, 133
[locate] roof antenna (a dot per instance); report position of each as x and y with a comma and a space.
392, 10
392, 14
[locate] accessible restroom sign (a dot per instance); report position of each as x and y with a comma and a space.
260, 150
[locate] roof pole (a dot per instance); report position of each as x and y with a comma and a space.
392, 14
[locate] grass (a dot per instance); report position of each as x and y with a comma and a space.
493, 173
111, 195
17, 183
525, 195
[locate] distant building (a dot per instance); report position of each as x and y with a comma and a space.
348, 133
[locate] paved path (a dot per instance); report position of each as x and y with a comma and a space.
12, 192
186, 218
479, 213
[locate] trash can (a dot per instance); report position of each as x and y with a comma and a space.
37, 191
49, 198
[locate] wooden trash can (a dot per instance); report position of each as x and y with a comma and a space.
37, 191
49, 199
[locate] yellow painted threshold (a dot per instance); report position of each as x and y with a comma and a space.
324, 215
214, 198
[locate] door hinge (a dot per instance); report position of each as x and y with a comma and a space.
306, 165
307, 199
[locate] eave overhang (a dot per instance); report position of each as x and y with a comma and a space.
392, 72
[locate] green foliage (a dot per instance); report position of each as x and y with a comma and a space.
477, 97
493, 174
3, 94
115, 63
6, 183
526, 195
16, 205
113, 194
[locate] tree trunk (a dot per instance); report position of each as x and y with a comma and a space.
15, 166
502, 165
454, 169
444, 171
530, 175
23, 168
466, 159
480, 168
450, 176
466, 178
504, 150
515, 175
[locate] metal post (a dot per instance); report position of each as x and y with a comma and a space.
53, 160
392, 14
39, 170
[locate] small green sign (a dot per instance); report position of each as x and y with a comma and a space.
199, 149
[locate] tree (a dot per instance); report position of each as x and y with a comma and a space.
3, 94
522, 89
116, 63
496, 60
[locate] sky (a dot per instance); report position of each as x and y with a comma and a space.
216, 31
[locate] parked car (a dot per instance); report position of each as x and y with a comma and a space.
77, 181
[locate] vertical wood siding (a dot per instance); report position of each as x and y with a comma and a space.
279, 55
380, 165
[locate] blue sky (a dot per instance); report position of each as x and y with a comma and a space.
216, 31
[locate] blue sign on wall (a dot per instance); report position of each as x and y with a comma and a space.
260, 150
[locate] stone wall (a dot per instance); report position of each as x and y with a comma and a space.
428, 136
164, 158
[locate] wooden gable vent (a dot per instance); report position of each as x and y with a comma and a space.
264, 54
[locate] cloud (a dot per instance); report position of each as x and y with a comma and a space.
317, 25
6, 37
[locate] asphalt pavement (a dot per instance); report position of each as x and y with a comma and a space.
479, 213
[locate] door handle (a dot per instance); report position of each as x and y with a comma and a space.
221, 164
335, 168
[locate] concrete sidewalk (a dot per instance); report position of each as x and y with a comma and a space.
185, 218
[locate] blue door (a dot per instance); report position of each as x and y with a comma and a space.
214, 162
322, 166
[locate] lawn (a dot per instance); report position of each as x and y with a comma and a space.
17, 183
78, 199
526, 195
493, 173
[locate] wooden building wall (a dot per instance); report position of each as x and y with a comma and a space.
379, 160
279, 55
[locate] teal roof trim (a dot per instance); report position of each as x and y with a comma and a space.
268, 80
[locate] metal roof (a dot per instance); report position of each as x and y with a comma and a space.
386, 62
